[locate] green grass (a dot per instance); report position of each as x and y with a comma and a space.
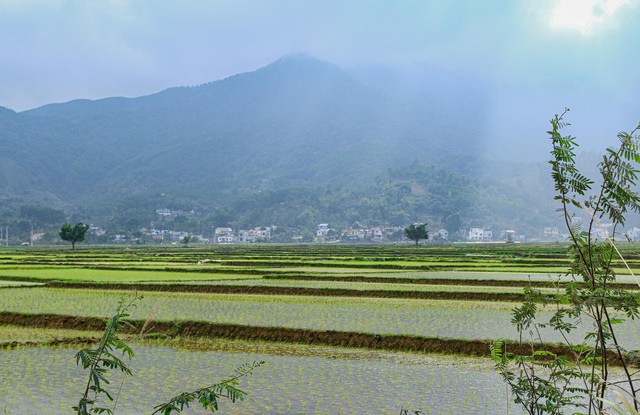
299, 379
457, 319
45, 381
103, 276
503, 258
368, 286
245, 265
9, 334
428, 318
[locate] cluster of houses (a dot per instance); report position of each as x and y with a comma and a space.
226, 235
221, 235
355, 233
165, 235
323, 234
601, 232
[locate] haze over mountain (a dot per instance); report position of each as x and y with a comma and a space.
281, 136
296, 122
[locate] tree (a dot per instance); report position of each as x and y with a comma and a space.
73, 234
545, 380
416, 232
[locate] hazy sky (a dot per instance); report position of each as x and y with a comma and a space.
58, 50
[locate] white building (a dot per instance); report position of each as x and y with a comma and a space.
255, 234
323, 229
224, 236
509, 235
377, 234
480, 234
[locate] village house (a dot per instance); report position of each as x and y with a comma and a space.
157, 235
357, 233
254, 235
480, 234
508, 235
442, 234
376, 234
353, 235
224, 235
323, 229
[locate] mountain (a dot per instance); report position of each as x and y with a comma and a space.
296, 122
254, 138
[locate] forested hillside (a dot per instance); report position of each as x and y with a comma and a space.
294, 143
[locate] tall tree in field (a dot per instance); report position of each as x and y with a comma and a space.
416, 232
544, 381
73, 234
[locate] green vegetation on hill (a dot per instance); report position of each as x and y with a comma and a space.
293, 144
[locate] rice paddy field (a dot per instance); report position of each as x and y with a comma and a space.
317, 382
343, 329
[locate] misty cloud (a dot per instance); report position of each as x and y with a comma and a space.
526, 64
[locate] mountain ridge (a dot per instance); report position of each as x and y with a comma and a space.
309, 106
298, 123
